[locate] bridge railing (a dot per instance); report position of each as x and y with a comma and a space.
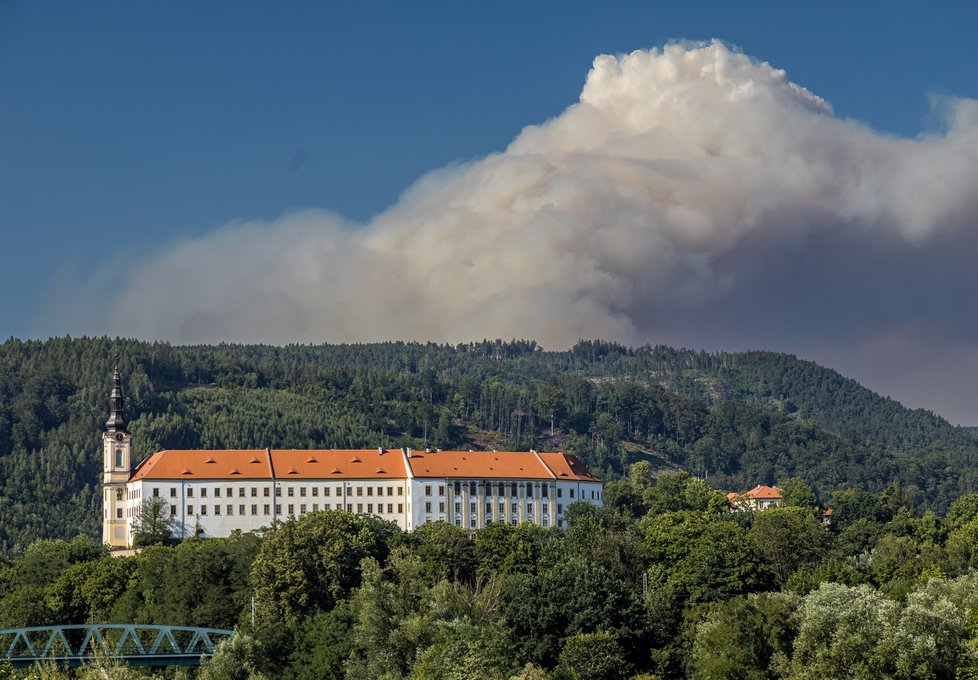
131, 643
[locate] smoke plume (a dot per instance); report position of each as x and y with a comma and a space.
693, 195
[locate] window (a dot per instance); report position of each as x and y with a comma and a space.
302, 491
572, 493
230, 509
512, 490
370, 506
400, 491
529, 508
278, 509
326, 491
560, 492
230, 492
546, 522
173, 492
203, 492
545, 509
254, 491
441, 490
472, 507
488, 508
217, 492
291, 492
190, 492
349, 507
359, 490
560, 508
390, 491
203, 509
118, 494
241, 509
241, 493
457, 486
278, 492
217, 509
315, 491
360, 507
254, 509
427, 506
118, 513
173, 510
390, 508
400, 507
156, 492
544, 490
529, 491
266, 492
190, 509
380, 491
315, 507
441, 507
427, 490
472, 488
302, 509
458, 507
370, 491
267, 509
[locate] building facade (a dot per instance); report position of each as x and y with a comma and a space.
216, 492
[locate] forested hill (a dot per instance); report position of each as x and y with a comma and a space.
741, 419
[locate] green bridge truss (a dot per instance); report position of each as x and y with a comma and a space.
129, 643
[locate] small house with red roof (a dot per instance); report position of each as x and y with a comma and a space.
759, 498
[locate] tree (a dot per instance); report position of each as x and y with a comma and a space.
594, 656
312, 562
742, 637
786, 539
154, 523
839, 633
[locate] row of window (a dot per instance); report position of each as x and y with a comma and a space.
545, 509
514, 522
290, 491
382, 509
513, 490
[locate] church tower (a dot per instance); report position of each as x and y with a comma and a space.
116, 468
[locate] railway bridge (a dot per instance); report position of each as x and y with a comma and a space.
129, 643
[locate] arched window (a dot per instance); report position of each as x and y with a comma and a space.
118, 457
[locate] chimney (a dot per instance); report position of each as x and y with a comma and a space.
380, 450
408, 451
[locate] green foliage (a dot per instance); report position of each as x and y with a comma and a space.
313, 561
597, 656
786, 539
745, 637
154, 524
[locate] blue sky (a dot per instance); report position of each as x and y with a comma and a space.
127, 127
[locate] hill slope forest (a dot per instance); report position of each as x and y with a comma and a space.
735, 419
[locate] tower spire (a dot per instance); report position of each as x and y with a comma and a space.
117, 406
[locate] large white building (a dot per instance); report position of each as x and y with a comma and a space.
213, 493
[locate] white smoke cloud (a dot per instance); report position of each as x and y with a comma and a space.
693, 195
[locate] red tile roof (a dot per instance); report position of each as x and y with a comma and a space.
567, 467
278, 463
359, 464
761, 492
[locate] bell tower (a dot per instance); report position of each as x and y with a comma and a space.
116, 469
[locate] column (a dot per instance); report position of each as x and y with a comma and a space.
537, 504
481, 508
522, 501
